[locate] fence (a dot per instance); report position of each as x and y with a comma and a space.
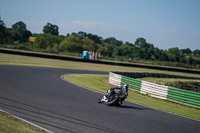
172, 94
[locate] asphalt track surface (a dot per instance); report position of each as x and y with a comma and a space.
40, 96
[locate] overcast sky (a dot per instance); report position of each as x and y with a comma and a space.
164, 23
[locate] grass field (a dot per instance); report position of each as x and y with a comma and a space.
9, 124
8, 59
79, 56
98, 83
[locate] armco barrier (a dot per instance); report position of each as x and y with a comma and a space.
115, 79
135, 84
154, 90
185, 97
172, 94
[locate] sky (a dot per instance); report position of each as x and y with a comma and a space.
164, 23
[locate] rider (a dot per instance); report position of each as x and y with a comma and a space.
113, 90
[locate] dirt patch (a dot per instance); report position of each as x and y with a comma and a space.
191, 86
106, 81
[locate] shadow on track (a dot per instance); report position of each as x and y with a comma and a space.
137, 108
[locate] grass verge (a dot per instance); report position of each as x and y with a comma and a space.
98, 83
9, 124
79, 56
9, 59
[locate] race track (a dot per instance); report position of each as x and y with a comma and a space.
40, 96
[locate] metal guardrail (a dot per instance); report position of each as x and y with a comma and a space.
168, 93
184, 97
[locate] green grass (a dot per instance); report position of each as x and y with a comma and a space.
114, 60
95, 82
9, 124
98, 83
9, 59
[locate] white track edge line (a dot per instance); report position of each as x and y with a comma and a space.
62, 77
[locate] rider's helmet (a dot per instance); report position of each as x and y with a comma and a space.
126, 85
125, 89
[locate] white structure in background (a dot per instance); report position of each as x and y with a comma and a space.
91, 55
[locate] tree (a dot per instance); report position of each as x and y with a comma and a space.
88, 44
196, 52
182, 59
74, 34
156, 54
19, 26
113, 41
95, 38
128, 43
146, 50
45, 41
71, 44
189, 60
51, 29
126, 50
106, 50
20, 33
186, 51
102, 50
174, 53
2, 23
171, 57
82, 34
2, 32
140, 42
109, 49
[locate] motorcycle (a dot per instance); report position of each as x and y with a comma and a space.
115, 96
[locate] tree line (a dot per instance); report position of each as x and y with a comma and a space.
110, 48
